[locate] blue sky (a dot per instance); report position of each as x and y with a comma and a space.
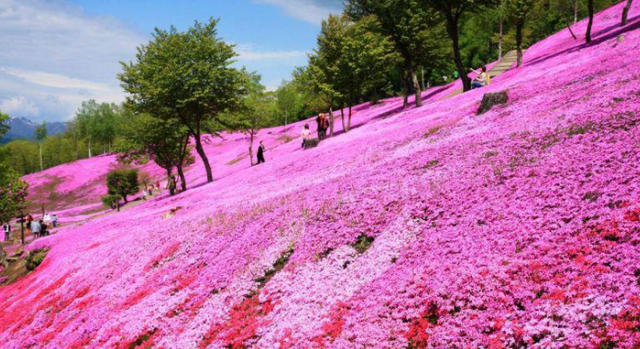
57, 53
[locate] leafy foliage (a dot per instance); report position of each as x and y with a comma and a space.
123, 183
13, 190
187, 77
413, 30
166, 142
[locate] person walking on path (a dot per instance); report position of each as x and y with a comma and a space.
7, 231
306, 135
261, 151
54, 220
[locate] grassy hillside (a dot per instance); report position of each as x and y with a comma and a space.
428, 227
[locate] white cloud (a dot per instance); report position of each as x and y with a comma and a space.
312, 11
55, 80
55, 56
19, 105
249, 53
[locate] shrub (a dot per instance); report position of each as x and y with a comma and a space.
111, 201
35, 258
492, 99
363, 243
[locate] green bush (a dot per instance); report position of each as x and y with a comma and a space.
111, 201
35, 258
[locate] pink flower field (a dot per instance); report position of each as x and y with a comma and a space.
427, 227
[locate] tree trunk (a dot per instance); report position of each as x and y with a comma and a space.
405, 91
349, 122
251, 148
590, 25
416, 86
452, 28
183, 179
90, 155
169, 179
625, 12
500, 36
519, 27
571, 30
41, 164
331, 121
575, 12
344, 126
204, 158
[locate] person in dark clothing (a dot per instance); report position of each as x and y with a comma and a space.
320, 122
261, 151
7, 231
323, 125
172, 185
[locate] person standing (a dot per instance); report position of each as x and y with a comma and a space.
36, 228
144, 193
54, 220
7, 231
261, 151
46, 218
306, 135
171, 185
321, 130
29, 221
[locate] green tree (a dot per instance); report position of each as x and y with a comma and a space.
185, 76
287, 100
254, 116
123, 183
22, 156
407, 25
518, 10
4, 127
166, 142
145, 180
365, 64
452, 11
97, 123
41, 135
13, 190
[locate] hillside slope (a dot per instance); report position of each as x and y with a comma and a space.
430, 227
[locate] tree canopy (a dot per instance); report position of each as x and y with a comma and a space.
186, 76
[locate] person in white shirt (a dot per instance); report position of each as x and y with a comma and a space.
46, 218
54, 220
306, 135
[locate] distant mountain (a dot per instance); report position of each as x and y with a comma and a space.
23, 128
